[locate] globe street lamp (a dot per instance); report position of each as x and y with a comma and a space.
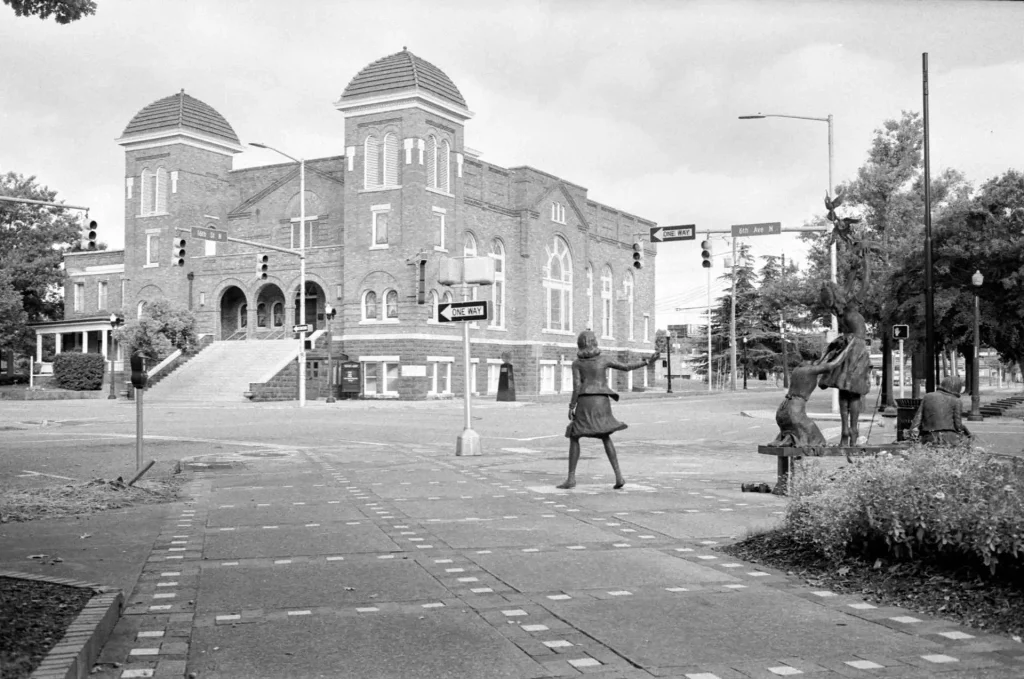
329, 312
831, 189
975, 416
302, 266
115, 322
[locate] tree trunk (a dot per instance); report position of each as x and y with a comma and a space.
887, 400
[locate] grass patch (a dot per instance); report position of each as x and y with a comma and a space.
54, 502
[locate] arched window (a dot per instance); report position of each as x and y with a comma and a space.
261, 315
243, 316
444, 153
446, 298
141, 309
432, 162
370, 306
278, 314
389, 160
558, 286
590, 297
606, 302
391, 304
628, 286
498, 289
432, 313
438, 155
154, 192
371, 162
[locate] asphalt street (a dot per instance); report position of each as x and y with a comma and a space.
347, 540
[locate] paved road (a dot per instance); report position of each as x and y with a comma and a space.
350, 542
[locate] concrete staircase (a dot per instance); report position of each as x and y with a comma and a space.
223, 371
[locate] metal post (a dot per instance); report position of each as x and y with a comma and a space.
903, 371
744, 361
785, 356
468, 442
710, 388
929, 292
138, 428
302, 282
732, 321
668, 355
832, 250
976, 415
330, 357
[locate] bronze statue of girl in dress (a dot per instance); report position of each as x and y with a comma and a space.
590, 410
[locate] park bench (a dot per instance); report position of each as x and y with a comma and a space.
788, 456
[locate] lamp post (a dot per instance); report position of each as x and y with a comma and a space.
115, 322
831, 188
744, 361
302, 266
329, 312
975, 416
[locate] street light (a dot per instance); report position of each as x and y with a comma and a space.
329, 312
115, 322
302, 266
831, 188
744, 361
977, 279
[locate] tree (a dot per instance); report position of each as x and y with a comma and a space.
163, 327
32, 240
64, 11
12, 315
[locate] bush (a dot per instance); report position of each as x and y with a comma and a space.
930, 504
80, 372
6, 380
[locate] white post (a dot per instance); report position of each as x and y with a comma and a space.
903, 370
58, 343
732, 322
710, 380
302, 282
85, 341
468, 442
103, 343
39, 348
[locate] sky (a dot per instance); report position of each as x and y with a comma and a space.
638, 101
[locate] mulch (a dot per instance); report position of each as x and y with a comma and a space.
33, 618
953, 591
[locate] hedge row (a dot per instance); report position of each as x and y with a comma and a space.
927, 504
80, 372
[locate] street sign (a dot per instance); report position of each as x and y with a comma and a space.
209, 234
900, 332
462, 311
300, 328
661, 234
763, 229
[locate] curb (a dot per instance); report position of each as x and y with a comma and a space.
75, 653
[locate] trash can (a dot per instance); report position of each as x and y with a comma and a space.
905, 410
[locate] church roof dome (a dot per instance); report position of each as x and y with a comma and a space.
399, 72
181, 112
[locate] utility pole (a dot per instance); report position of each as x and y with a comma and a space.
732, 322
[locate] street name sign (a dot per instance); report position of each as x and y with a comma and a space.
462, 311
661, 234
300, 328
763, 229
209, 234
900, 332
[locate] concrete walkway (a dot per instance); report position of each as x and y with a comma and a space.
362, 560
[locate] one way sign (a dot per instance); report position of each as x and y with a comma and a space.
660, 234
462, 311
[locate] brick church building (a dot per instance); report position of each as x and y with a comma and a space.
378, 219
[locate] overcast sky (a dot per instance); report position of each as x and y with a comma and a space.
637, 101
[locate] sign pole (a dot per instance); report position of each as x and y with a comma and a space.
138, 428
710, 389
903, 370
468, 442
732, 321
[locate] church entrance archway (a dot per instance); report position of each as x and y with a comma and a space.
234, 313
270, 311
315, 299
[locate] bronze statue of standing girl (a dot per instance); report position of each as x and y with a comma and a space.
590, 410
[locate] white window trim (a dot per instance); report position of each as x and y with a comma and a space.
151, 261
78, 297
498, 322
384, 318
174, 181
363, 320
440, 211
102, 291
375, 210
540, 374
630, 285
436, 362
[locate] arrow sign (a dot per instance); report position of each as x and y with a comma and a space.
763, 229
661, 234
209, 234
462, 311
300, 328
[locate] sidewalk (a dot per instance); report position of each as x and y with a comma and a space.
358, 561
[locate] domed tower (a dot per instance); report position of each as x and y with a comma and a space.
178, 154
404, 152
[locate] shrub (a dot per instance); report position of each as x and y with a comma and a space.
163, 327
6, 380
80, 372
928, 503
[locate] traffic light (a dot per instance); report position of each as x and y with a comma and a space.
262, 266
638, 254
705, 253
421, 283
90, 234
179, 251
139, 376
